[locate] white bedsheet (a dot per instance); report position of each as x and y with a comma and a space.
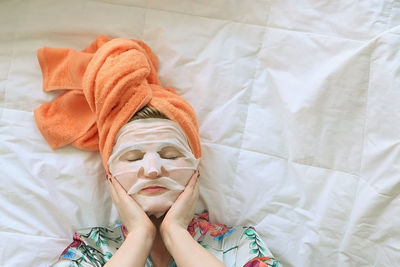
299, 111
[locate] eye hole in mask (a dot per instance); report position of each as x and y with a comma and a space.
132, 155
168, 152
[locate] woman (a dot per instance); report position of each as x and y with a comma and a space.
151, 160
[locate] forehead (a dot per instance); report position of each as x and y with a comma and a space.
151, 137
156, 132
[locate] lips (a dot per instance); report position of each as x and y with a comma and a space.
160, 185
153, 189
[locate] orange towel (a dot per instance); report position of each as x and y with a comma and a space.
105, 84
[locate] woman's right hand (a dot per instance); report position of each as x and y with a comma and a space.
141, 231
131, 214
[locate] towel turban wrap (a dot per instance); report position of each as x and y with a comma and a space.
106, 84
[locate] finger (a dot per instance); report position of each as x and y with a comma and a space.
121, 193
190, 188
189, 197
113, 193
196, 186
193, 179
118, 187
196, 191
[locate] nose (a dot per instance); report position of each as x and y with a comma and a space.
152, 168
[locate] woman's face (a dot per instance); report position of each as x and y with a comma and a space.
153, 162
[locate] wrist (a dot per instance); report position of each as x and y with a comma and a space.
172, 234
148, 230
170, 228
147, 235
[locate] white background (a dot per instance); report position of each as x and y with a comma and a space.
299, 110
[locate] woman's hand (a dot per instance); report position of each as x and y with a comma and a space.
131, 214
180, 244
141, 231
181, 212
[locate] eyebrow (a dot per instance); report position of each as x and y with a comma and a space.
161, 148
171, 147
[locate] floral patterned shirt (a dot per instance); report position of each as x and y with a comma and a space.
234, 246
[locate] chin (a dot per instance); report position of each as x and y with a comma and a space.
157, 213
156, 205
157, 210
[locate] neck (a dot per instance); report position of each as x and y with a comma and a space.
159, 254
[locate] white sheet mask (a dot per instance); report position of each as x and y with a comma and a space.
152, 152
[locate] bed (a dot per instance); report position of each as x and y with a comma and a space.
299, 114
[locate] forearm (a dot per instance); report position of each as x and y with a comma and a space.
133, 252
186, 251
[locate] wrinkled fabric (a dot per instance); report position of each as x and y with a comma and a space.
234, 246
298, 109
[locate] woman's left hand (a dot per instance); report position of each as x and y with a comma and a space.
181, 212
178, 241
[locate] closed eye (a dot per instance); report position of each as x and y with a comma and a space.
170, 157
132, 155
170, 152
